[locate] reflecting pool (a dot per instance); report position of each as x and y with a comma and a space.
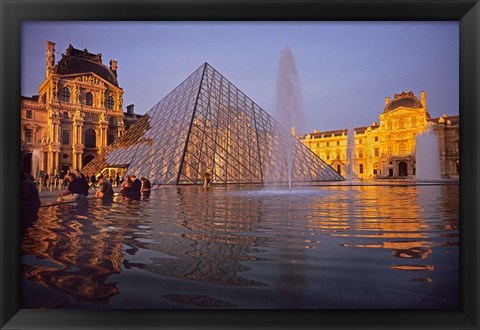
327, 247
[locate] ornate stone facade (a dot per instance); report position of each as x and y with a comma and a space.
77, 113
387, 149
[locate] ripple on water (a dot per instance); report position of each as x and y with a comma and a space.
244, 247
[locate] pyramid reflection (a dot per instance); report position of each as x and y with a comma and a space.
206, 124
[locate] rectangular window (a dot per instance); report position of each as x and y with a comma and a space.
360, 168
65, 137
29, 135
360, 141
376, 152
376, 138
29, 114
360, 153
328, 144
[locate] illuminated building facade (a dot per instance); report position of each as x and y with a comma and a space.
76, 114
387, 149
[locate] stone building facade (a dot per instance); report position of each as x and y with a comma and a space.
77, 112
387, 149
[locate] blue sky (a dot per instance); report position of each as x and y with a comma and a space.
346, 69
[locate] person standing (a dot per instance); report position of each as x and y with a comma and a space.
117, 180
206, 179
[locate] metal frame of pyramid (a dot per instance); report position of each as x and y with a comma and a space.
206, 124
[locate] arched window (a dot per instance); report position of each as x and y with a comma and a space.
65, 94
90, 141
401, 123
89, 99
110, 102
402, 148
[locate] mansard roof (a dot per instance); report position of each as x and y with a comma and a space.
76, 61
404, 99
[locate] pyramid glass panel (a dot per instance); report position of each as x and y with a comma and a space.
206, 124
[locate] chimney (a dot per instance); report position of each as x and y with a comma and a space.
130, 109
50, 58
387, 100
114, 67
423, 97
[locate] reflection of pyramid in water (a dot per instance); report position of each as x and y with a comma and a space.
208, 125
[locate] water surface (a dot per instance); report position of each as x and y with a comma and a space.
329, 247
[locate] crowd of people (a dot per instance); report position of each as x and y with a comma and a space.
78, 185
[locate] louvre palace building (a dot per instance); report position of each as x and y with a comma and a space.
77, 112
387, 149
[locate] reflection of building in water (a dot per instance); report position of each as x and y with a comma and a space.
82, 253
368, 213
387, 148
209, 250
77, 112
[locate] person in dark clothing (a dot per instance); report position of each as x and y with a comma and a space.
30, 202
146, 186
83, 183
105, 187
136, 185
126, 185
45, 180
75, 190
93, 181
117, 180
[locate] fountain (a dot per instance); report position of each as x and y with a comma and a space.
288, 104
427, 156
36, 161
351, 158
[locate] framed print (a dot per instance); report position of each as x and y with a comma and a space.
239, 164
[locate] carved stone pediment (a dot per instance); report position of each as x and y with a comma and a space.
90, 79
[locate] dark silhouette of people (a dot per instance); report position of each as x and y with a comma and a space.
93, 180
30, 202
206, 179
105, 187
146, 186
75, 189
126, 185
136, 185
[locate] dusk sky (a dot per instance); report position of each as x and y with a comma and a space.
346, 69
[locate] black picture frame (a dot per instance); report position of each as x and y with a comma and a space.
14, 12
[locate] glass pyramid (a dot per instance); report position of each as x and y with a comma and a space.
206, 124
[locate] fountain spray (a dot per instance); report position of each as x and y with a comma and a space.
288, 104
